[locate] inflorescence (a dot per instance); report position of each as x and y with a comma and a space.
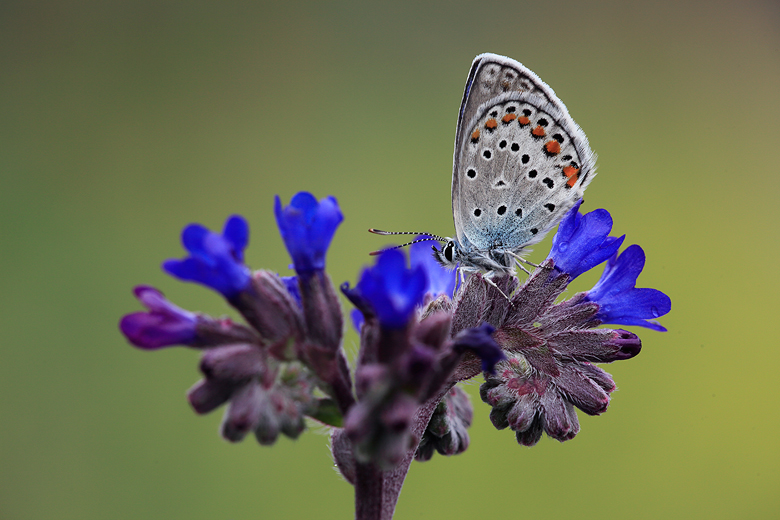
399, 399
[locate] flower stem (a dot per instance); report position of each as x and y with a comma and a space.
377, 491
370, 500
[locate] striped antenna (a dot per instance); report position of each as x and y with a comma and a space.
385, 233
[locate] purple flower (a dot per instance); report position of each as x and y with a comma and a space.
583, 242
215, 260
164, 325
479, 340
620, 302
307, 227
440, 280
392, 290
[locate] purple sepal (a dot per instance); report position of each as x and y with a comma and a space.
233, 363
244, 412
593, 345
307, 228
447, 431
418, 362
530, 403
583, 242
379, 426
269, 306
619, 301
164, 325
341, 449
215, 260
208, 395
392, 290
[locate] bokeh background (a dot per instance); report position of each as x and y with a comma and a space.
120, 122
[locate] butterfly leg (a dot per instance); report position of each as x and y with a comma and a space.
462, 280
526, 271
519, 259
491, 282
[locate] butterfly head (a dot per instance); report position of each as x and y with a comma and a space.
449, 255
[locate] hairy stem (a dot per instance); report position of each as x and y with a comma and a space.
377, 491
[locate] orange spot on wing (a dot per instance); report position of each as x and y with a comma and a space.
508, 118
553, 147
475, 136
491, 124
538, 131
572, 173
523, 120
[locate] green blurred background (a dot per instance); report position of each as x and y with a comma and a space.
120, 122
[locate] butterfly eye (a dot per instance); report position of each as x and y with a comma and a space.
449, 250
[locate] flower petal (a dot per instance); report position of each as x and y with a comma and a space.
215, 260
236, 232
583, 242
440, 280
164, 325
393, 290
307, 228
620, 302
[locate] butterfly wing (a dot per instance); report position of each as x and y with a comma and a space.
520, 160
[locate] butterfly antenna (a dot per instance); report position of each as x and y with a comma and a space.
385, 233
433, 237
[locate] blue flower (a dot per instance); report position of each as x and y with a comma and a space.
392, 290
440, 280
307, 227
215, 260
357, 319
583, 242
164, 325
291, 283
620, 302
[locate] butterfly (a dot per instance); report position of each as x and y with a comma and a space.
520, 163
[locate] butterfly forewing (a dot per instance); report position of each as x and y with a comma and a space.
490, 76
